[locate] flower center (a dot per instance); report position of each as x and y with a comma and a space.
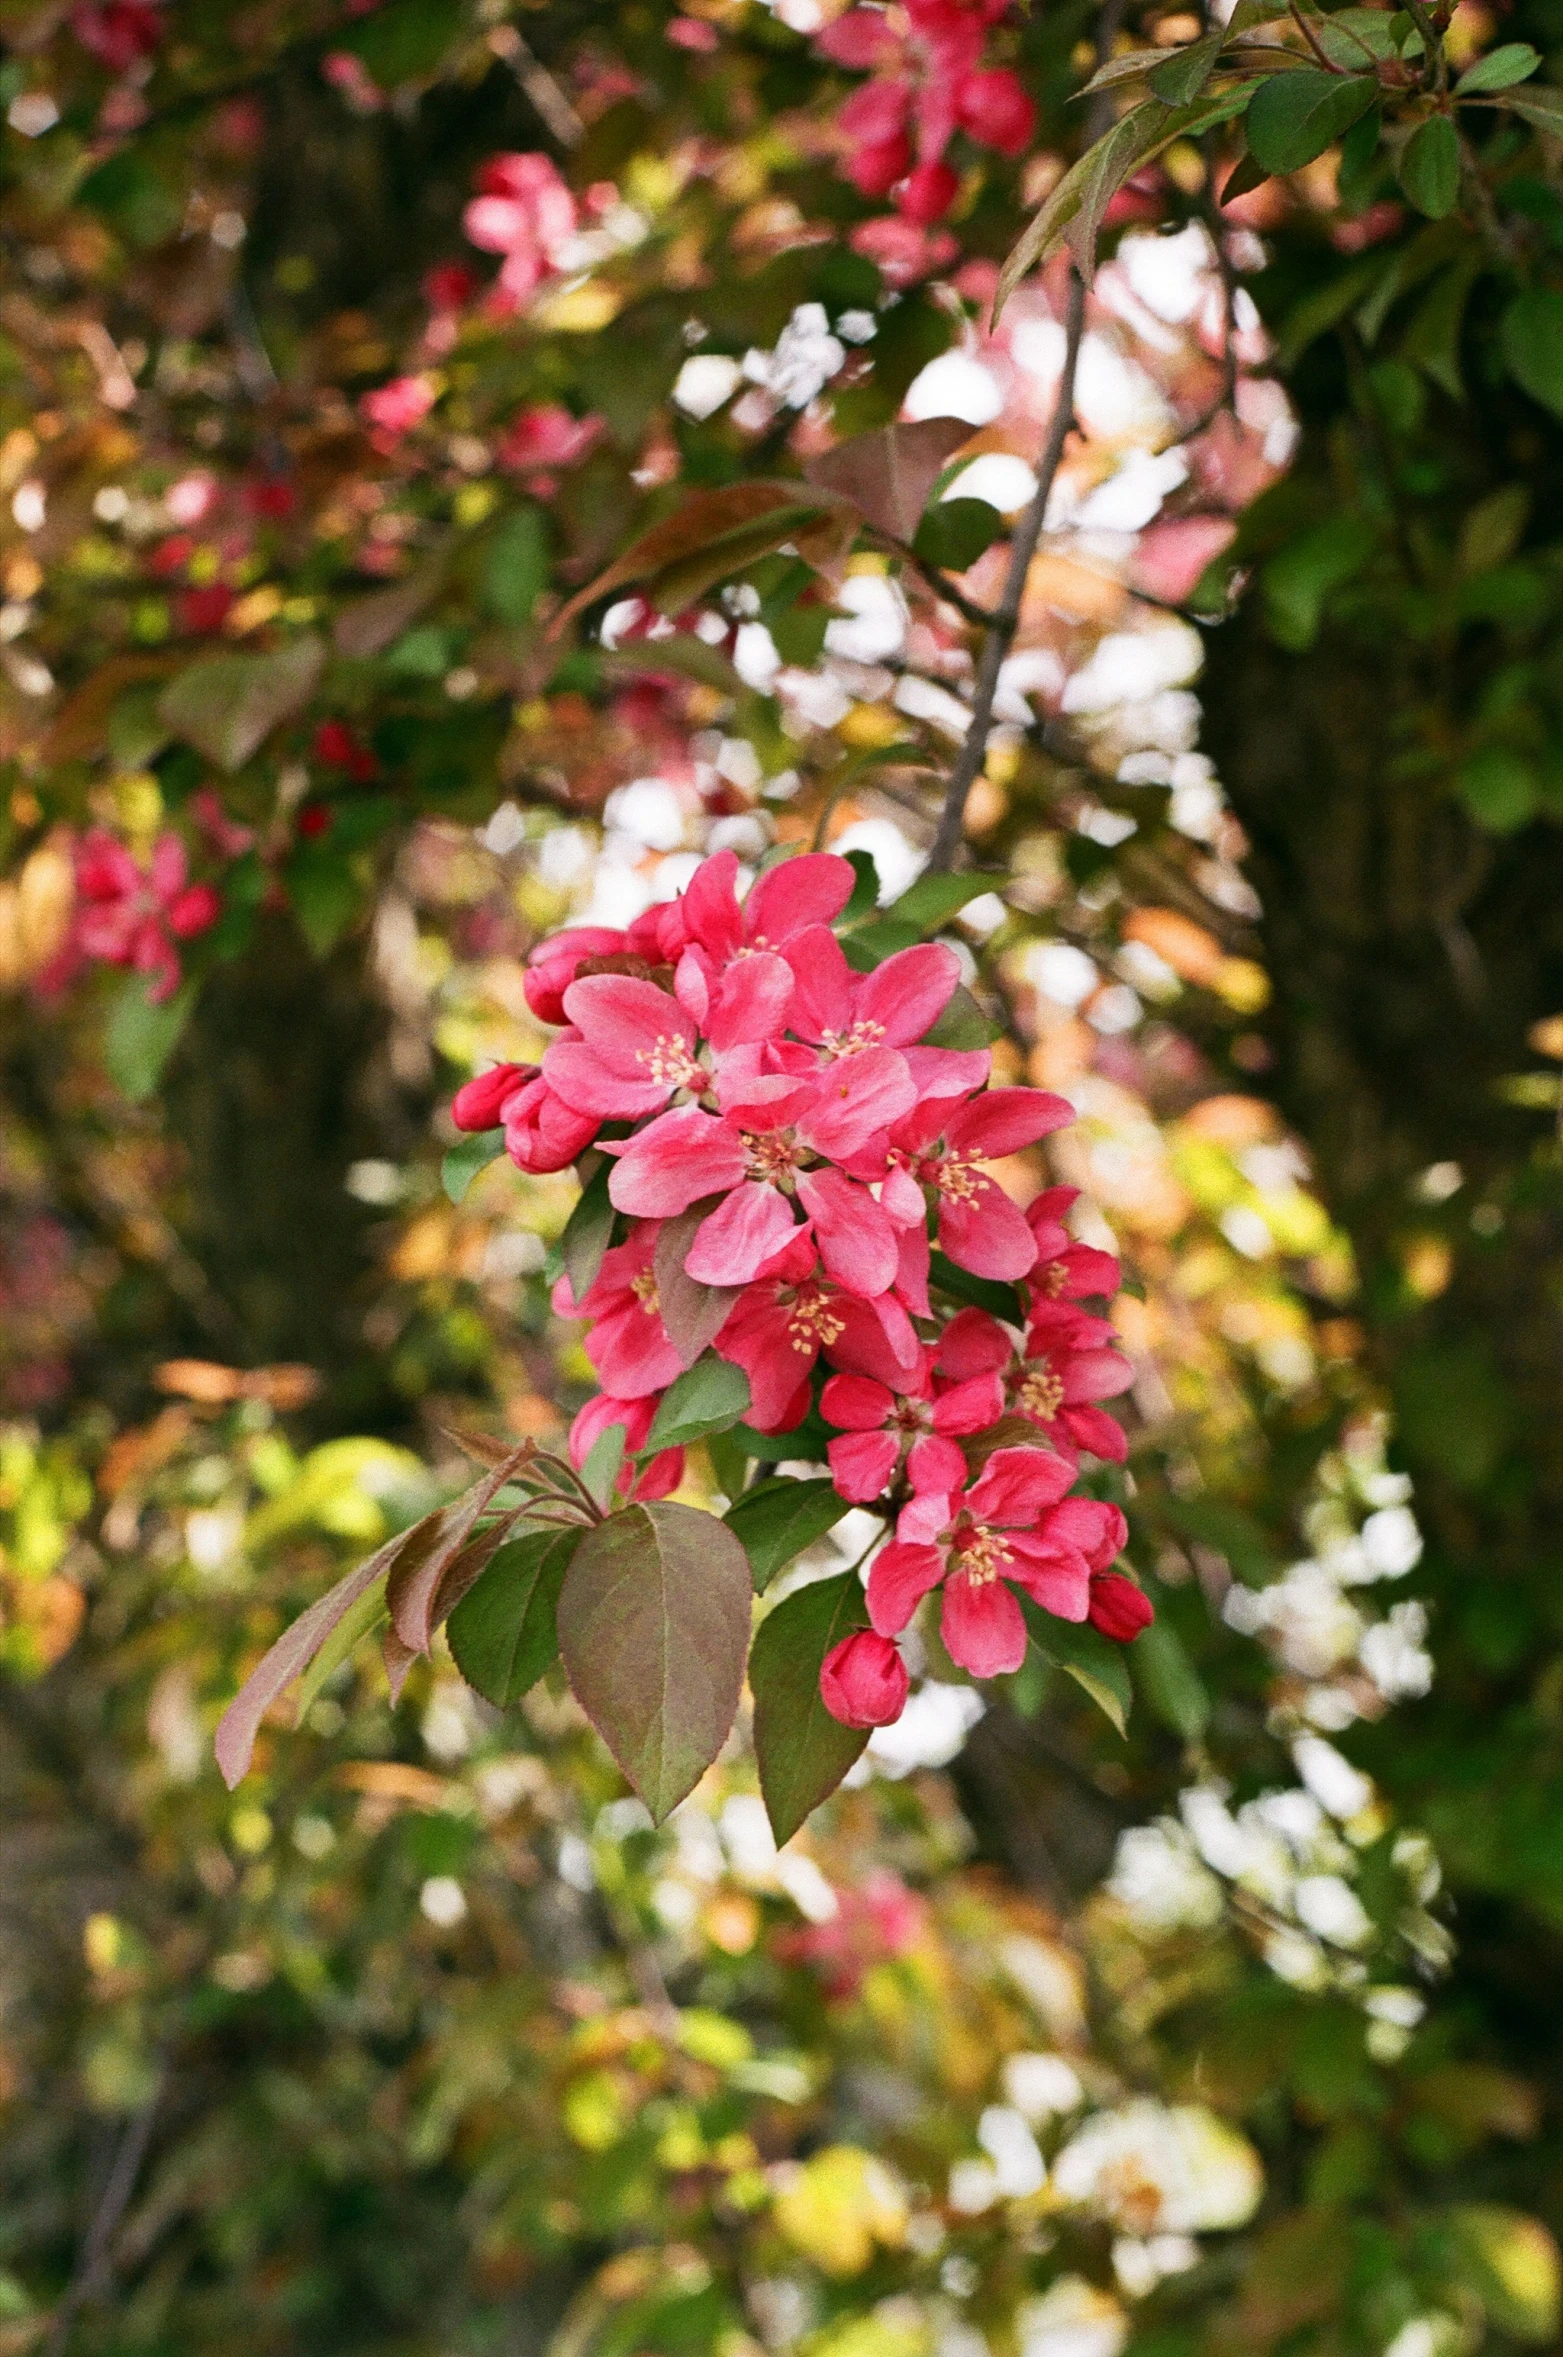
1053, 1279
771, 1157
865, 1033
981, 1554
1040, 1393
958, 1181
812, 1323
668, 1059
644, 1287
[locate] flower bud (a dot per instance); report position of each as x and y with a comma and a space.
1119, 1608
863, 1681
542, 1132
481, 1103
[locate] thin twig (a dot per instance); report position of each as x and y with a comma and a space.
97, 2250
547, 98
1306, 31
937, 579
1006, 622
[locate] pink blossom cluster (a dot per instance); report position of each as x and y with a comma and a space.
787, 1151
127, 915
524, 211
928, 82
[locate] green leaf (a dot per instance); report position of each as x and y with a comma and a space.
604, 1462
1430, 167
808, 1440
323, 893
865, 892
1230, 1530
406, 41
467, 1157
520, 561
954, 533
1532, 339
228, 706
1510, 2261
1091, 1659
141, 1037
653, 1621
588, 1231
1301, 575
1183, 75
1295, 117
962, 1025
710, 1397
778, 1518
933, 900
802, 1752
1541, 107
503, 1633
1164, 1674
1500, 69
1499, 788
1001, 1301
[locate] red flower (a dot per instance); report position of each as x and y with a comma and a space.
1119, 1608
336, 747
927, 193
626, 1340
481, 1103
118, 33
995, 109
201, 611
1068, 1364
554, 964
525, 212
863, 1681
788, 1315
978, 1541
449, 286
655, 1479
547, 436
129, 916
979, 1227
314, 820
398, 406
878, 1423
542, 1133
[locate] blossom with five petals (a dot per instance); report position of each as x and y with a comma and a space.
133, 916
1068, 1365
877, 1423
942, 1149
781, 1323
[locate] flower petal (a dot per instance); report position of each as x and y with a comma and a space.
970, 1406
983, 1627
1004, 1120
709, 905
685, 1154
822, 998
810, 889
936, 1465
909, 992
898, 1579
857, 1244
631, 1024
862, 1465
858, 1096
751, 1002
733, 1245
856, 1403
987, 1233
1016, 1485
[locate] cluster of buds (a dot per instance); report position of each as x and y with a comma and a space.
794, 1166
928, 82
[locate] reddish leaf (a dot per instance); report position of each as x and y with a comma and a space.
888, 475
414, 1585
654, 1629
712, 534
227, 707
694, 1314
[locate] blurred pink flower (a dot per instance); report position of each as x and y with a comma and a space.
130, 916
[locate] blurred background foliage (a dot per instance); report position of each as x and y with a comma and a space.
1234, 2032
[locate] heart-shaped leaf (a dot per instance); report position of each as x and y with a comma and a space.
888, 475
653, 1622
802, 1751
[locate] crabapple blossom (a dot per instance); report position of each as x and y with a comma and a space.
863, 1681
127, 915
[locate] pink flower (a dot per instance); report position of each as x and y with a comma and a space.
547, 436
879, 1918
903, 252
811, 889
1119, 1607
554, 964
397, 407
925, 88
844, 1013
787, 1316
878, 1423
995, 109
934, 1148
128, 916
655, 1479
863, 1681
927, 193
981, 1541
1069, 1364
626, 1340
690, 32
118, 33
525, 212
1064, 1269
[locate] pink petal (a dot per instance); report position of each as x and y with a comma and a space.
683, 1155
909, 992
585, 1081
710, 905
811, 889
733, 1245
911, 1276
758, 1338
855, 1403
862, 1465
983, 1627
898, 1579
1096, 1529
903, 1198
856, 1242
973, 1343
927, 1517
936, 1466
1004, 1120
631, 1024
631, 1352
857, 1097
1060, 1584
692, 986
941, 1074
899, 1332
169, 866
822, 1000
987, 1235
1094, 1375
865, 1346
970, 1406
1095, 1431
1016, 1485
751, 1002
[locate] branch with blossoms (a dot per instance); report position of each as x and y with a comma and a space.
791, 1250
